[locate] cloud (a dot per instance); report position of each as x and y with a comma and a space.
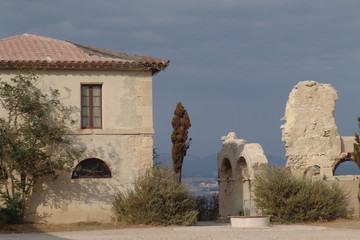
233, 63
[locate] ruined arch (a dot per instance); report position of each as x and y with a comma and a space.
238, 162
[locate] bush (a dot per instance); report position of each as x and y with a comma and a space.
13, 211
156, 199
289, 199
3, 220
208, 207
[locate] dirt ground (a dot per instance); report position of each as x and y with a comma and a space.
31, 228
204, 230
341, 223
341, 229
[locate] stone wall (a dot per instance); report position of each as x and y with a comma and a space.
349, 184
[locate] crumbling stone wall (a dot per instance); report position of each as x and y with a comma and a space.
312, 142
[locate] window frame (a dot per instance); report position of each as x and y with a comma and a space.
91, 106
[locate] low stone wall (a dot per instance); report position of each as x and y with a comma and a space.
350, 185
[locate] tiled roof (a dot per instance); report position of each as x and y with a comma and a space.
33, 52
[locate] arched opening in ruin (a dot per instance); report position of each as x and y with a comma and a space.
242, 169
346, 166
226, 182
243, 186
312, 171
226, 169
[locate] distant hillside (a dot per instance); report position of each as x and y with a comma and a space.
195, 166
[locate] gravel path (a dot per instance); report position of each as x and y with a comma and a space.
207, 232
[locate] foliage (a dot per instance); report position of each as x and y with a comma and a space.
356, 153
179, 137
4, 219
156, 199
241, 212
289, 199
156, 160
33, 140
208, 207
13, 210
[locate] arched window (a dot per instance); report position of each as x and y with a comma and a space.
226, 170
91, 168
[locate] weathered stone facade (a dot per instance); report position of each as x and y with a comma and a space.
125, 144
312, 142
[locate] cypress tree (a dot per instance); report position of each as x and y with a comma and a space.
356, 153
179, 138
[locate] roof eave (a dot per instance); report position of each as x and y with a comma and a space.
154, 67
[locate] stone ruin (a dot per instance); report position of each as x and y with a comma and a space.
238, 162
312, 142
313, 150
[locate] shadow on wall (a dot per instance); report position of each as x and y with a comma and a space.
77, 199
59, 195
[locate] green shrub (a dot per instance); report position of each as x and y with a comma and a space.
13, 210
208, 207
3, 219
156, 199
289, 199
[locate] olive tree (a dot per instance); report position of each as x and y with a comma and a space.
33, 140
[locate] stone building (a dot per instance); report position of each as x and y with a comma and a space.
113, 94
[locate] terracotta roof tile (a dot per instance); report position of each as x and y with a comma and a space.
32, 51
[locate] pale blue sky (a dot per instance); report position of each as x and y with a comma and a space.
233, 62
